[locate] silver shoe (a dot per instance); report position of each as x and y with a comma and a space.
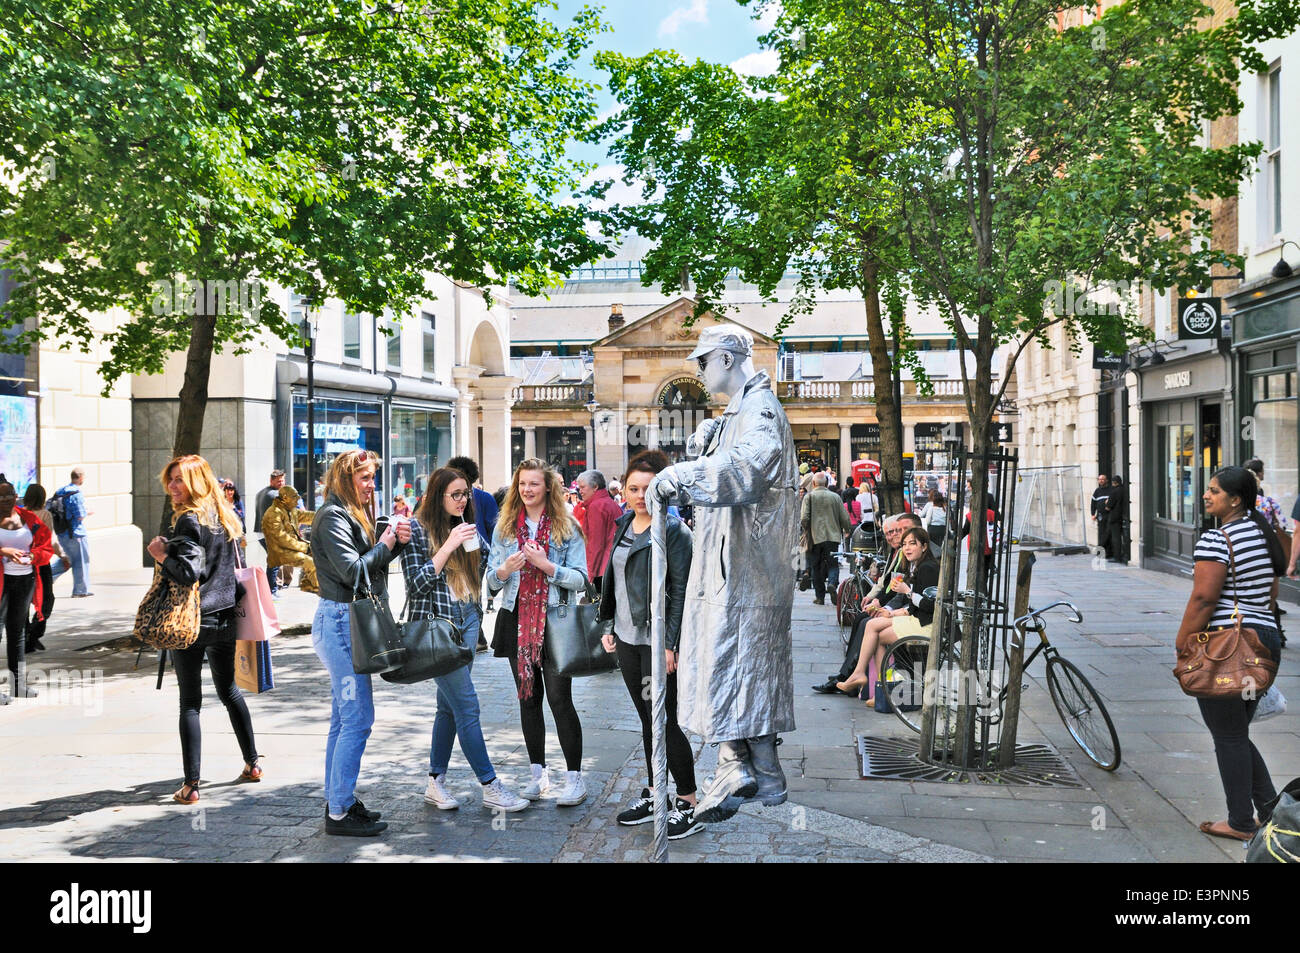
732, 785
767, 768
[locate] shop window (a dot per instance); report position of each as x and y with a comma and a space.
419, 442
1176, 446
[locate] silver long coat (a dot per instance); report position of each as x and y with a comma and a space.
735, 674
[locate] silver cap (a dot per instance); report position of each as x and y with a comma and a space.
724, 337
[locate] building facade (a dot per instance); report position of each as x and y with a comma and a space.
602, 366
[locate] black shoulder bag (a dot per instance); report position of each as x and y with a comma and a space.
376, 637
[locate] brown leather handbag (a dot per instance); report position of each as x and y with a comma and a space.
1227, 662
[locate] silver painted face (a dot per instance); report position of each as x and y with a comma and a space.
715, 370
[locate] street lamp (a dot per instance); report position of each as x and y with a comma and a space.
1283, 268
309, 332
592, 406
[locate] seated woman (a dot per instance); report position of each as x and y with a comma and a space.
906, 614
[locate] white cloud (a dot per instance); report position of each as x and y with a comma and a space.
762, 63
767, 18
697, 12
620, 193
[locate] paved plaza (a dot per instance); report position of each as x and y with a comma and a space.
88, 769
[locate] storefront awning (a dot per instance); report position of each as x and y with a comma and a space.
292, 371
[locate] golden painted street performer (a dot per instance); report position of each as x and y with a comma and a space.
735, 674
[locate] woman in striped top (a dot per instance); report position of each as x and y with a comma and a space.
1218, 589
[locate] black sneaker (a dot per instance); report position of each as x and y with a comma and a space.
682, 822
639, 811
354, 824
361, 808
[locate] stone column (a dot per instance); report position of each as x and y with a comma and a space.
530, 441
495, 400
846, 450
464, 376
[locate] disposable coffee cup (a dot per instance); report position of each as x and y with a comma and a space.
472, 544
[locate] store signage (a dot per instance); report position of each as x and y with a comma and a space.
1004, 433
1199, 318
1105, 361
332, 431
1178, 379
933, 437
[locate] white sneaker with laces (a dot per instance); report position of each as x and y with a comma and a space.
539, 785
575, 790
498, 797
438, 795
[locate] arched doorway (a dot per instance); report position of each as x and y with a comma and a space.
681, 405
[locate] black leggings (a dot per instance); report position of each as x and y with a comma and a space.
1247, 786
634, 662
559, 693
189, 671
35, 626
14, 600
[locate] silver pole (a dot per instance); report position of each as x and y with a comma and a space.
658, 673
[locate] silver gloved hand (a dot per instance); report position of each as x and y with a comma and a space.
698, 442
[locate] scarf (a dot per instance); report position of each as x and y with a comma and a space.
531, 604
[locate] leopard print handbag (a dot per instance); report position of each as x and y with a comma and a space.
168, 617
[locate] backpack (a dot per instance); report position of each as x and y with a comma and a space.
60, 516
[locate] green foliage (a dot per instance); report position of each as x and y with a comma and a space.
340, 148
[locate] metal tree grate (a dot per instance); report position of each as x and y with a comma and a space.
898, 759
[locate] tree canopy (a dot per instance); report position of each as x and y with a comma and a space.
341, 149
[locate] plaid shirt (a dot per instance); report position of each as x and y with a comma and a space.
427, 592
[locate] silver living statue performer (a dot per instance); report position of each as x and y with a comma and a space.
735, 673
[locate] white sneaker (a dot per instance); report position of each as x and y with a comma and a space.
498, 797
4, 699
437, 795
575, 790
539, 785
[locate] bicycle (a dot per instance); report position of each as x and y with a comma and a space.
1077, 703
853, 590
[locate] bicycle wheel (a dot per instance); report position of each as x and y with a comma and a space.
1083, 713
903, 666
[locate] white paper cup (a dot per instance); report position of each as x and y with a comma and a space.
472, 544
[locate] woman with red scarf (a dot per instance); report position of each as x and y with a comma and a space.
24, 547
538, 550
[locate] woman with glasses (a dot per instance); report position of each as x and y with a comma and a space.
443, 566
236, 503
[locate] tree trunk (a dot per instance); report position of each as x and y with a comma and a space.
888, 413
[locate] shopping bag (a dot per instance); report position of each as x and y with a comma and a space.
253, 667
255, 616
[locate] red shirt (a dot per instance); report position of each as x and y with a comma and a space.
602, 512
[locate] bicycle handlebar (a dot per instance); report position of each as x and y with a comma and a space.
1036, 614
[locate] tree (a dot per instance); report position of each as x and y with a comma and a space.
1059, 156
173, 158
762, 176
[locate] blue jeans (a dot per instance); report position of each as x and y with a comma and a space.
78, 560
458, 713
352, 706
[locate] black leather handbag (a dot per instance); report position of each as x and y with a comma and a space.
572, 646
376, 637
433, 647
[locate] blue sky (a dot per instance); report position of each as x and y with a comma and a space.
721, 31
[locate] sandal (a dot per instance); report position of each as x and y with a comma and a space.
252, 772
1214, 830
188, 794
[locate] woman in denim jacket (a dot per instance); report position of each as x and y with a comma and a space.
538, 550
443, 566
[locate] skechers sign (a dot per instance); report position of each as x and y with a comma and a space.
333, 431
1199, 318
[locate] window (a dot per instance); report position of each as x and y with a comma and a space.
351, 336
1271, 161
1177, 448
427, 327
394, 342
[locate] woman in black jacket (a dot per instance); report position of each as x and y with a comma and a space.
625, 610
201, 549
343, 544
906, 614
